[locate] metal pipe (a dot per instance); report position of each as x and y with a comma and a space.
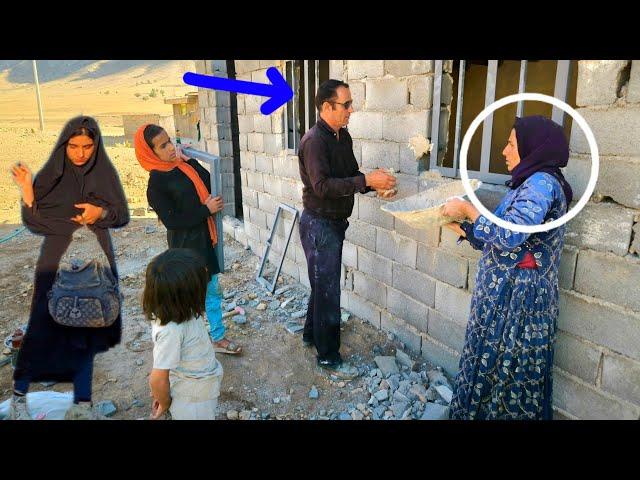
35, 76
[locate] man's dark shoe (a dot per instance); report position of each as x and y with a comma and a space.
342, 370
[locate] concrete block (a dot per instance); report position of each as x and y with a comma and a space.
616, 129
380, 155
363, 309
446, 331
414, 284
403, 68
272, 143
599, 81
248, 160
357, 94
385, 243
429, 237
438, 354
633, 92
618, 178
246, 66
367, 125
635, 244
442, 265
267, 203
243, 142
403, 332
421, 92
370, 288
387, 94
567, 270
245, 123
256, 142
369, 211
588, 403
406, 251
599, 322
404, 307
336, 69
604, 227
453, 303
621, 377
577, 356
350, 255
257, 217
400, 127
264, 163
262, 123
254, 181
249, 198
375, 265
362, 234
277, 123
609, 277
364, 69
449, 239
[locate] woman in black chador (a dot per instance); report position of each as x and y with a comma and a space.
77, 186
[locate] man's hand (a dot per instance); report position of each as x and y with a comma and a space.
387, 194
90, 215
214, 204
380, 180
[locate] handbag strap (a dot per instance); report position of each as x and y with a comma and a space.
80, 234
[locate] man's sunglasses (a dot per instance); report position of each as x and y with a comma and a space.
346, 105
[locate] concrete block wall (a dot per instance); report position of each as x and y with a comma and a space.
270, 174
418, 284
215, 128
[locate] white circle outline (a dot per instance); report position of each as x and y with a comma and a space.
595, 162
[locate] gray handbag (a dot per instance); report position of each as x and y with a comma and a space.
86, 294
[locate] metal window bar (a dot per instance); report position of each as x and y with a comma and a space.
296, 102
487, 127
521, 86
216, 189
460, 104
259, 278
317, 65
563, 71
286, 112
435, 114
306, 97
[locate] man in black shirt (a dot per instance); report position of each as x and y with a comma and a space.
329, 172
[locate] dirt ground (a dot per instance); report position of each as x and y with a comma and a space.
272, 378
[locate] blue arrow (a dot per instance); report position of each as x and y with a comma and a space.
279, 90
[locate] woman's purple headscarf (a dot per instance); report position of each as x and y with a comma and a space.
543, 148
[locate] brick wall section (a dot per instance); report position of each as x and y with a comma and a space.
418, 284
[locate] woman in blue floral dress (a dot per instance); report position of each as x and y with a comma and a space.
506, 364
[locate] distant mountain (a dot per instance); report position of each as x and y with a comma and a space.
21, 71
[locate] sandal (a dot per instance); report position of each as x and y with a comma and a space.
229, 347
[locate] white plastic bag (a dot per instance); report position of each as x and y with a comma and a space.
47, 405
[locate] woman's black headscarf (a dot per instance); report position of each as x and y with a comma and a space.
542, 147
98, 180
